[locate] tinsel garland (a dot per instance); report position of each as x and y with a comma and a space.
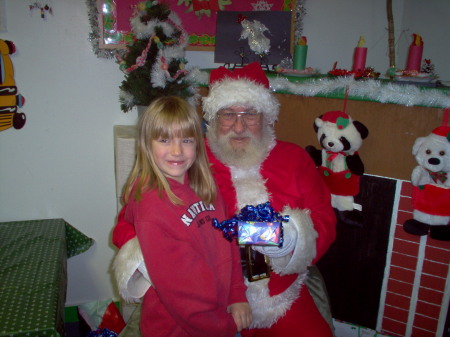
95, 35
408, 95
299, 12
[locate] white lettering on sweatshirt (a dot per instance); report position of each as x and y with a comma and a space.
194, 210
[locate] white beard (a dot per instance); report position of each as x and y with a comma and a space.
254, 154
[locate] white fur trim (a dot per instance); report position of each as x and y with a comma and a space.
266, 309
249, 185
342, 202
229, 92
131, 283
305, 249
430, 219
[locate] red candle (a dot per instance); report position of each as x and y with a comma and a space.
359, 56
359, 59
415, 53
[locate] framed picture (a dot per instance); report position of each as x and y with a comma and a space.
245, 37
198, 18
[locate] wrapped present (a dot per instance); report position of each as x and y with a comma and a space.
259, 233
259, 224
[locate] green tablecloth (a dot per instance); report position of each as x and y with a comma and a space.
33, 275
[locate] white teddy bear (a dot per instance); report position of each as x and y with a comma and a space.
431, 186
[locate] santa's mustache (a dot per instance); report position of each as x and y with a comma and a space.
233, 134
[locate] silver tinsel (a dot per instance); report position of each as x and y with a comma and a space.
95, 34
408, 95
299, 12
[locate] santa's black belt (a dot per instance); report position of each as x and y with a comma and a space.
255, 266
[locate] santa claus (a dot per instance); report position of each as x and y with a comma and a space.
251, 167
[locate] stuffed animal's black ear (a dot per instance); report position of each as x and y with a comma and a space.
363, 131
316, 128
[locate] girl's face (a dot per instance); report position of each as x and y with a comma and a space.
174, 156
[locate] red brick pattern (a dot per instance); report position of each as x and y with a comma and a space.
416, 280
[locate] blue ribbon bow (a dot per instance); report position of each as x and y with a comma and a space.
260, 213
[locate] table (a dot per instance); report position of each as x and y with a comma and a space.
33, 275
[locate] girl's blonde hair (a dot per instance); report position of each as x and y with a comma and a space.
168, 117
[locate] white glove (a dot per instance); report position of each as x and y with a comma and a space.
289, 241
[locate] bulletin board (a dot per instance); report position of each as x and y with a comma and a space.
198, 18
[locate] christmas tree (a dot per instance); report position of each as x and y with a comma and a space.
154, 63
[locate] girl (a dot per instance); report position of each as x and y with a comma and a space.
197, 284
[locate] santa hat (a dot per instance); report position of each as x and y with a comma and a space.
441, 133
340, 118
243, 86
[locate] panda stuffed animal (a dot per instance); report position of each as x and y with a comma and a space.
338, 161
431, 186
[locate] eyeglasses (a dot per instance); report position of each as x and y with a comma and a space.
229, 118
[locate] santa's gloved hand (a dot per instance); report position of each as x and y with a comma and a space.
289, 241
143, 269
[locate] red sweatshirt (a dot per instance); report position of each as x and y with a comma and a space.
195, 272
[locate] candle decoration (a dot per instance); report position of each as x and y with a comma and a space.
415, 54
359, 56
300, 53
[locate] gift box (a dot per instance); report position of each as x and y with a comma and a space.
259, 233
254, 225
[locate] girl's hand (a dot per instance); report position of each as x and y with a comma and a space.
242, 315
